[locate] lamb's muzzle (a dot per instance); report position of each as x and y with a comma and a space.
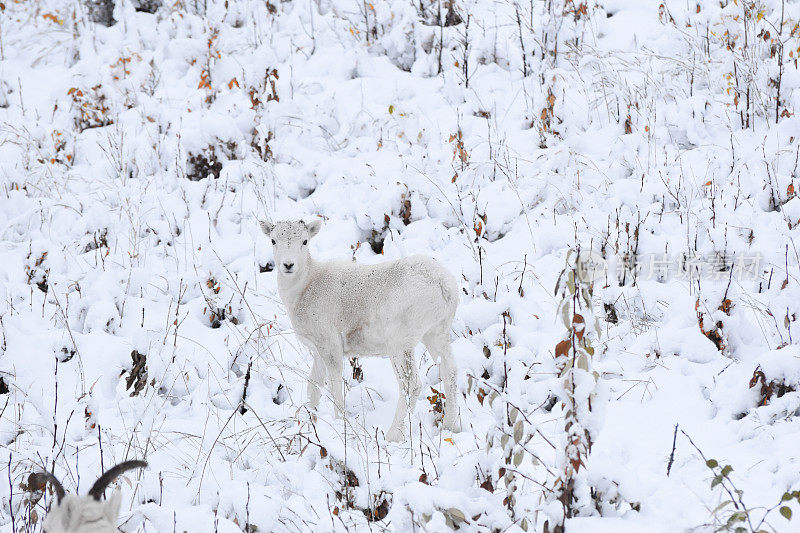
344, 309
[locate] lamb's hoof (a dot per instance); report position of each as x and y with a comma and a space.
394, 435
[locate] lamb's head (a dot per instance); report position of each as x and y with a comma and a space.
86, 514
290, 243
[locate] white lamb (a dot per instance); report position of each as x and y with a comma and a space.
87, 514
343, 309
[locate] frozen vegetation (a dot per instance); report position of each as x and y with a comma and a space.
141, 142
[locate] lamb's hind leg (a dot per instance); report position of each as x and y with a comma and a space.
409, 385
437, 341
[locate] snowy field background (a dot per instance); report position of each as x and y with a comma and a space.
139, 314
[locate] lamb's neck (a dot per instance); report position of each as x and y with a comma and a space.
291, 287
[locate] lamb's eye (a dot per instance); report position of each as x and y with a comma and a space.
273, 241
305, 242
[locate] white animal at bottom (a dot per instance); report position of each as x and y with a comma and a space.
85, 514
342, 309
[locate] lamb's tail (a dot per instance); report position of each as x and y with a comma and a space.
449, 289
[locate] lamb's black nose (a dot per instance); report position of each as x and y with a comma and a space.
288, 266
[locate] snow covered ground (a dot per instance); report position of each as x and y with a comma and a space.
139, 314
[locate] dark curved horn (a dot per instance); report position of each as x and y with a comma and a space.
43, 477
100, 485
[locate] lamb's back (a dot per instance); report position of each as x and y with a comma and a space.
369, 301
415, 279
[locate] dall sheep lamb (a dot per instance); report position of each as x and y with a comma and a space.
86, 514
342, 309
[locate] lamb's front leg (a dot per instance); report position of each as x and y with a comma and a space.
316, 380
333, 359
409, 385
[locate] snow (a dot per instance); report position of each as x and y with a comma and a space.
136, 161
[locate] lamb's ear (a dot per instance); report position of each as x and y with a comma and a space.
313, 227
266, 227
111, 509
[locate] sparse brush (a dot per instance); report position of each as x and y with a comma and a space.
574, 357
